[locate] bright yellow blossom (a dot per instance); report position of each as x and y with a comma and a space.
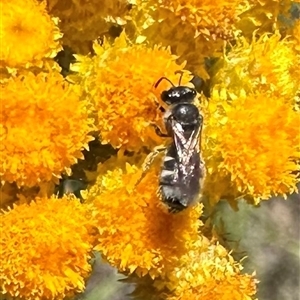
251, 147
83, 21
208, 272
194, 29
45, 249
263, 16
120, 83
43, 128
28, 34
137, 234
268, 64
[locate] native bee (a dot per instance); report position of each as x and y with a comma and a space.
182, 171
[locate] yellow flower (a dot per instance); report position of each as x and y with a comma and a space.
83, 21
43, 128
268, 64
28, 34
45, 249
251, 148
137, 234
194, 29
263, 16
208, 272
120, 82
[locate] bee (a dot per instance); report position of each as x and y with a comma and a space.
183, 170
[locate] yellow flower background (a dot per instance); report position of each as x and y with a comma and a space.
243, 57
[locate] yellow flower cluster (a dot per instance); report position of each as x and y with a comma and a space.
208, 272
263, 16
46, 248
82, 21
28, 34
194, 29
120, 81
138, 235
251, 148
43, 128
250, 141
268, 64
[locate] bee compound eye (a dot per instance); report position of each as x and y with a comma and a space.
165, 96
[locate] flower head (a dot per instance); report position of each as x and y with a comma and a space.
45, 248
263, 16
194, 29
251, 148
209, 272
83, 21
43, 128
28, 34
268, 64
120, 82
137, 234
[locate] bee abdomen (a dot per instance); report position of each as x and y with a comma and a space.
171, 196
168, 170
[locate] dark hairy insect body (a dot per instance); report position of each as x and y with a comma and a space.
182, 169
179, 191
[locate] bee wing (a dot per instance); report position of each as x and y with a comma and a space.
185, 146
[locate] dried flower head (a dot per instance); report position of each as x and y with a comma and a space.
43, 128
28, 34
45, 249
120, 83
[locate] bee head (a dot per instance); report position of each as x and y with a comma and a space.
178, 94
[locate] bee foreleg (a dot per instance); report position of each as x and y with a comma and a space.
158, 131
149, 160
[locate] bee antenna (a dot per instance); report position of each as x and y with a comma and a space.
163, 78
181, 74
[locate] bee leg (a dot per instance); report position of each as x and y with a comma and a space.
158, 131
149, 160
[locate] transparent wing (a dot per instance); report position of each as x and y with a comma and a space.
186, 147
